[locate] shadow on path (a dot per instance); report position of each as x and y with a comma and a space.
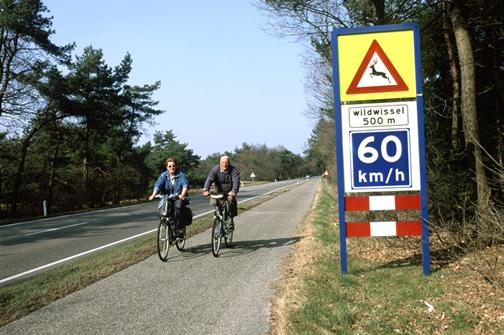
237, 248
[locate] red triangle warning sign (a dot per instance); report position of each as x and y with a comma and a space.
376, 74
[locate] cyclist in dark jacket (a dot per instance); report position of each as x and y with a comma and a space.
226, 179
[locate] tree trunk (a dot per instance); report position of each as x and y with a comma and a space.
8, 52
85, 172
454, 72
380, 11
52, 177
1, 192
499, 126
20, 171
468, 100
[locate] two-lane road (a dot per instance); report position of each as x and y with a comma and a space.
30, 247
194, 292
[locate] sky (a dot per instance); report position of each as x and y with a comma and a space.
224, 80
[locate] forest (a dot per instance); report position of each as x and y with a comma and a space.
70, 127
462, 59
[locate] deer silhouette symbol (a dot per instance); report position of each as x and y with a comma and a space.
377, 73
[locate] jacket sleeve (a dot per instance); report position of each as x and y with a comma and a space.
160, 183
209, 180
183, 180
235, 178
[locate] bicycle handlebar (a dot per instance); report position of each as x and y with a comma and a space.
216, 196
170, 197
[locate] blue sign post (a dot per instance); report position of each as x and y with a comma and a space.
379, 123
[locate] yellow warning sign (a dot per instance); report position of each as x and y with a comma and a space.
375, 66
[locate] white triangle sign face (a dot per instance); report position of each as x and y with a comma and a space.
377, 74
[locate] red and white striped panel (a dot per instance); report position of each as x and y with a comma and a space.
383, 228
382, 202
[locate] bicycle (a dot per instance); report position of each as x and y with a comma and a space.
221, 225
167, 228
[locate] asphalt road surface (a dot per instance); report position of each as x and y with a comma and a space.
30, 247
192, 293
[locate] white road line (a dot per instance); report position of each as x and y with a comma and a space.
4, 280
257, 196
7, 279
54, 229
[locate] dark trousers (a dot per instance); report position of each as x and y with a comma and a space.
233, 208
178, 205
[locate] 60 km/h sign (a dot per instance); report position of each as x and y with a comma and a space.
378, 113
381, 140
375, 164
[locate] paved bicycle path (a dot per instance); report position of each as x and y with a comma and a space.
194, 292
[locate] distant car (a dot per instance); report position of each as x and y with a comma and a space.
307, 176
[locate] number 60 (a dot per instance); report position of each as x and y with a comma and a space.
368, 154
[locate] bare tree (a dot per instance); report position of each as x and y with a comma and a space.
468, 99
455, 75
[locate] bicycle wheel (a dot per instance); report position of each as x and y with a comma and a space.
228, 238
163, 239
216, 237
181, 243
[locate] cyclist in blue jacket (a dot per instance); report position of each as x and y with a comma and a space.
172, 181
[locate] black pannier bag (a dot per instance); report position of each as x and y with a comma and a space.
186, 216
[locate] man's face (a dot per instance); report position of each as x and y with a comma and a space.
224, 164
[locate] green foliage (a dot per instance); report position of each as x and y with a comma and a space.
268, 163
165, 145
200, 174
321, 152
25, 19
78, 149
25, 49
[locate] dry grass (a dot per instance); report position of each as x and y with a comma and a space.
385, 291
294, 267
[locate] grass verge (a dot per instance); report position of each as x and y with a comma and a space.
385, 291
23, 297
